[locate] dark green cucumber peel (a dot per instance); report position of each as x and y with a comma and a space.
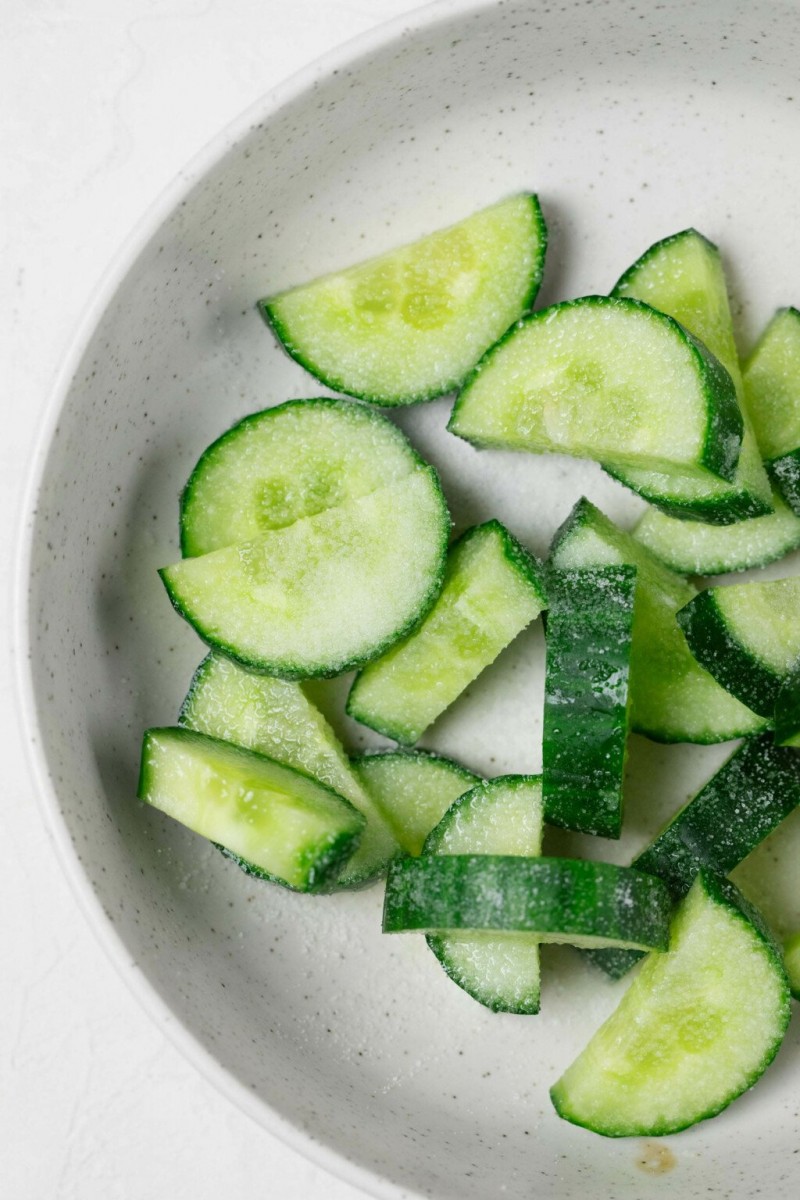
744, 802
696, 1029
565, 900
787, 710
786, 473
589, 628
338, 381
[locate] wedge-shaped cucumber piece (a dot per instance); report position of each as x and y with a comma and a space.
791, 958
673, 699
492, 589
326, 593
589, 638
557, 899
787, 710
501, 816
744, 802
413, 790
696, 1028
683, 276
772, 388
696, 548
411, 324
276, 718
748, 636
606, 379
276, 822
292, 461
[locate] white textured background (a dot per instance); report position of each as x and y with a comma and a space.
101, 103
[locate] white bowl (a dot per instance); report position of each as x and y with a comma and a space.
631, 123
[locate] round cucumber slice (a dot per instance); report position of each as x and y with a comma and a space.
696, 1028
411, 324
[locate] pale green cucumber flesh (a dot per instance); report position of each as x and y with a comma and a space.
411, 324
607, 379
787, 710
289, 462
276, 718
589, 638
492, 590
748, 636
278, 822
673, 698
326, 593
695, 1029
791, 958
501, 816
682, 275
413, 790
772, 385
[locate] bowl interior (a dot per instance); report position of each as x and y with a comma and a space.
631, 123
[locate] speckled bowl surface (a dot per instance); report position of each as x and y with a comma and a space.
631, 121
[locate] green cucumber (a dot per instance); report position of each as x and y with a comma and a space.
772, 387
673, 699
411, 324
275, 822
589, 630
608, 379
791, 958
276, 718
286, 463
696, 548
747, 635
787, 710
557, 899
747, 798
412, 790
492, 589
696, 1028
501, 816
326, 593
682, 275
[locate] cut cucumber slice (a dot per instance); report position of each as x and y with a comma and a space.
275, 822
673, 699
695, 548
791, 958
557, 899
502, 816
696, 1028
607, 379
683, 276
326, 593
492, 589
589, 628
275, 717
289, 462
787, 710
734, 812
772, 388
748, 636
413, 790
411, 324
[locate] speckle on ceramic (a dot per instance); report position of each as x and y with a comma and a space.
631, 121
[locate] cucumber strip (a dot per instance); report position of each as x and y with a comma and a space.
748, 636
292, 461
557, 899
673, 699
791, 958
275, 822
756, 789
608, 379
787, 710
772, 387
492, 590
413, 790
683, 276
275, 717
589, 633
326, 593
696, 1028
502, 816
411, 324
695, 548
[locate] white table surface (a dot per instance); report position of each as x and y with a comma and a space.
102, 103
